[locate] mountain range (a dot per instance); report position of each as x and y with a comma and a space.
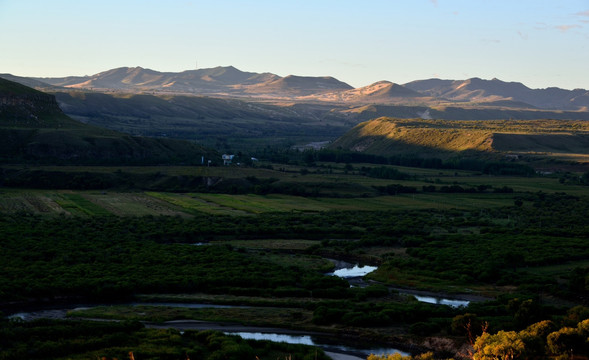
229, 81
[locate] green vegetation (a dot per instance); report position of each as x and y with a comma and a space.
255, 316
267, 231
51, 339
458, 224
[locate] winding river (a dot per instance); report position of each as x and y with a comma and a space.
354, 273
335, 347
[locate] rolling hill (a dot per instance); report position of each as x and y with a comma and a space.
381, 92
489, 91
35, 129
428, 138
218, 80
294, 86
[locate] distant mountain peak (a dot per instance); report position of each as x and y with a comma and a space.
230, 81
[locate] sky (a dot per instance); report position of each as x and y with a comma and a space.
537, 42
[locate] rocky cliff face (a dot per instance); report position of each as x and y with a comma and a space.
24, 107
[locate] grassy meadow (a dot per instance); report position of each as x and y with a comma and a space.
350, 190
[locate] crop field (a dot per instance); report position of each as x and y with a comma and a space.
193, 204
136, 204
256, 204
29, 201
92, 203
84, 203
76, 204
179, 190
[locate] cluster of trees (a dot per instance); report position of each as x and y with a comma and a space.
551, 231
474, 163
383, 172
362, 314
394, 189
542, 340
113, 258
85, 180
539, 340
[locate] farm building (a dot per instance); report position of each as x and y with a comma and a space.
227, 159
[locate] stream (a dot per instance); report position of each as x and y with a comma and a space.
336, 347
354, 273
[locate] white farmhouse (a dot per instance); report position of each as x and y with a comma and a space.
227, 159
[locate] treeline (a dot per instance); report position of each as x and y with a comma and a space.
121, 180
395, 189
54, 339
458, 163
507, 312
157, 181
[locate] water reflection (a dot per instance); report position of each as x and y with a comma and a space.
356, 271
289, 339
308, 340
442, 301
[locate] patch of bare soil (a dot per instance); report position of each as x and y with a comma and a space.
134, 204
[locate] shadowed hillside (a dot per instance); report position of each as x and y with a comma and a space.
204, 119
388, 136
35, 129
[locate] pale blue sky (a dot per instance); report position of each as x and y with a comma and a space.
538, 42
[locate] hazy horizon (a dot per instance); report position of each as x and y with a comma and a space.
246, 71
538, 43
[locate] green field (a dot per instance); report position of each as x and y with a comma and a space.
336, 189
91, 203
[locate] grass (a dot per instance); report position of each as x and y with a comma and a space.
31, 201
76, 204
84, 203
226, 299
341, 191
257, 316
193, 204
134, 204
